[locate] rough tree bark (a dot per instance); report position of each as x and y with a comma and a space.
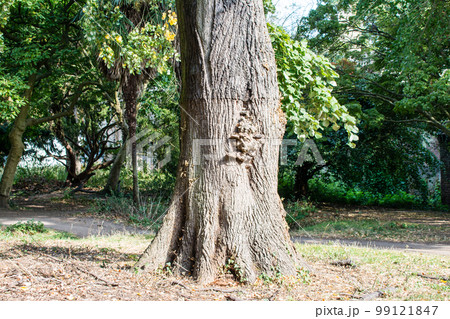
444, 150
131, 90
225, 205
17, 146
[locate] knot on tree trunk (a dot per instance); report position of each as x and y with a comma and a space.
247, 139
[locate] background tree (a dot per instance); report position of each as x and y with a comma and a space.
133, 40
306, 84
385, 57
39, 38
88, 140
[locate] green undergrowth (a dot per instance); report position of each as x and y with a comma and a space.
297, 211
149, 214
47, 173
32, 231
338, 192
156, 183
29, 227
16, 232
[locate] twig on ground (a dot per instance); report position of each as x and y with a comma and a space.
174, 282
271, 298
108, 283
344, 263
372, 295
431, 277
23, 269
217, 289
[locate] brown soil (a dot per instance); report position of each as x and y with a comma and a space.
61, 271
53, 201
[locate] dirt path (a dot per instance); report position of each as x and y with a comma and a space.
435, 249
71, 223
68, 221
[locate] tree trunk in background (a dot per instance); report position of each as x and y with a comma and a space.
131, 90
302, 176
226, 210
112, 184
444, 145
73, 165
131, 85
17, 147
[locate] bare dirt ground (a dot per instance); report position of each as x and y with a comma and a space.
53, 270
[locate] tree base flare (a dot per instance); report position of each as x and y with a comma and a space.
241, 238
226, 212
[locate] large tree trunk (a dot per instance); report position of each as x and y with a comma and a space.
17, 147
15, 153
444, 145
226, 209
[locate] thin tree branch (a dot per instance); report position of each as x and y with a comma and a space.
369, 94
433, 121
69, 111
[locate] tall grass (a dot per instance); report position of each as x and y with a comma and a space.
149, 214
48, 173
154, 183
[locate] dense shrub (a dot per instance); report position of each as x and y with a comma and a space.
30, 227
154, 183
38, 179
337, 192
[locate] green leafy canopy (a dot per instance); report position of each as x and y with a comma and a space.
129, 44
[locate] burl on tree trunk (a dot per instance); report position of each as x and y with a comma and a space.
225, 205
